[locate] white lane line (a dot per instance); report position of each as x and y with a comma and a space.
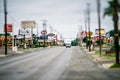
69, 57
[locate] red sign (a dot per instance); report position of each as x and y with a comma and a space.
9, 28
102, 37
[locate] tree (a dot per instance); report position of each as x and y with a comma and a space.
8, 34
1, 34
113, 10
109, 11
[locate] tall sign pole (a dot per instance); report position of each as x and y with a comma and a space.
116, 34
5, 16
99, 24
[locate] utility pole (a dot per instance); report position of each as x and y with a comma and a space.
99, 24
45, 32
88, 12
85, 26
116, 35
24, 46
5, 16
37, 32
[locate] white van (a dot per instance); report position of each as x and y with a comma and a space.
68, 45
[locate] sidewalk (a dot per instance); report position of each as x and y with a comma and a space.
20, 51
103, 62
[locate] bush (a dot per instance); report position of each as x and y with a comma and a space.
98, 42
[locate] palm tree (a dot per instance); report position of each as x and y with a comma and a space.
113, 10
109, 11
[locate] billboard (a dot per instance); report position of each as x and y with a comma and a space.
102, 31
28, 24
9, 27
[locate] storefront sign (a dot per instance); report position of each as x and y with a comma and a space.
24, 31
102, 31
9, 27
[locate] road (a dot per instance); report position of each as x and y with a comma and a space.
58, 63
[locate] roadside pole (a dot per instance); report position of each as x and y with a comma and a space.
5, 16
99, 24
88, 12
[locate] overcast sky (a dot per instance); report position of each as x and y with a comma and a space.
65, 16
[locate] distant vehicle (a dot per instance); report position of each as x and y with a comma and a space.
68, 45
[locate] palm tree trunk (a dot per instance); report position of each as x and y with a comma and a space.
116, 35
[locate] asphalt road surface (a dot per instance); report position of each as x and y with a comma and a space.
58, 63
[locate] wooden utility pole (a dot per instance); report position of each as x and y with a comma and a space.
99, 24
5, 16
116, 35
88, 12
85, 25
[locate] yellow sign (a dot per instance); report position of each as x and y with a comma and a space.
90, 33
102, 31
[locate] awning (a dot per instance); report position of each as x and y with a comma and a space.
111, 33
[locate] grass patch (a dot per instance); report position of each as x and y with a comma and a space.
98, 52
115, 66
109, 55
103, 53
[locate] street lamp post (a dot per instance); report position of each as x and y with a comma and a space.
5, 16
